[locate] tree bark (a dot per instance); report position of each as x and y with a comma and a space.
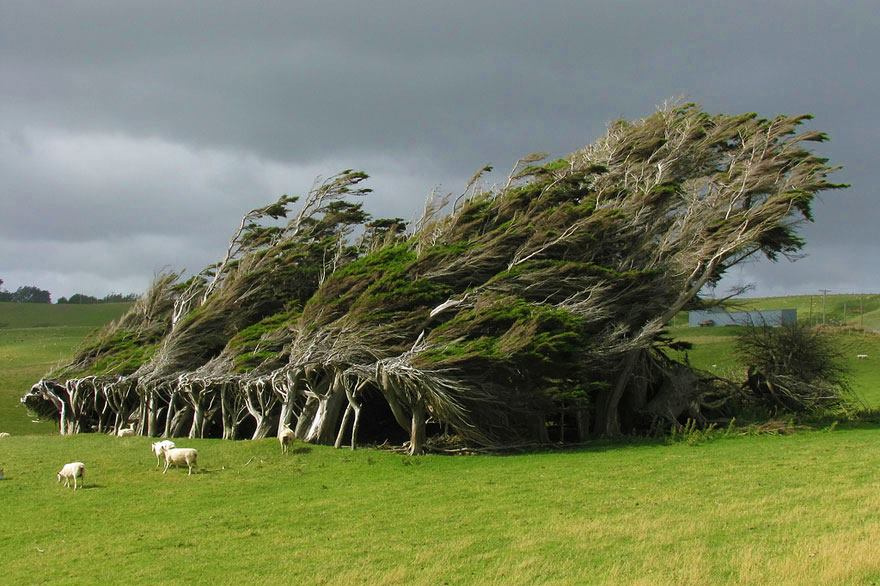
355, 426
289, 392
305, 418
62, 422
323, 426
417, 432
178, 423
264, 425
583, 424
152, 409
172, 413
198, 421
607, 416
538, 428
260, 399
286, 416
397, 410
341, 435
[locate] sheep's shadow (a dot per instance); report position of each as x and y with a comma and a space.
183, 472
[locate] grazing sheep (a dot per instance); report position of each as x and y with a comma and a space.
285, 437
159, 447
4, 434
861, 356
125, 432
73, 470
178, 456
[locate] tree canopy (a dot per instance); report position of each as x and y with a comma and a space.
26, 294
519, 314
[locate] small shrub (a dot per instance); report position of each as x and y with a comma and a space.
793, 369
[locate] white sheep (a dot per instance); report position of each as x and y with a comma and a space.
159, 447
285, 437
125, 432
178, 456
73, 470
861, 356
4, 434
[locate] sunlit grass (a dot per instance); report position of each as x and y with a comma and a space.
757, 509
35, 337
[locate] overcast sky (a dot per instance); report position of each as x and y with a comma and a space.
134, 135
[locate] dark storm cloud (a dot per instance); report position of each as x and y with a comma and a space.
121, 121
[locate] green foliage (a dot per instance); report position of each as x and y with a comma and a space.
397, 291
375, 287
121, 354
81, 298
794, 368
26, 294
535, 337
120, 351
260, 342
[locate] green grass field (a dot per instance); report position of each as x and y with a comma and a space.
714, 351
763, 509
34, 337
44, 315
746, 509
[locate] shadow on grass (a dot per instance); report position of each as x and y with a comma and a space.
866, 420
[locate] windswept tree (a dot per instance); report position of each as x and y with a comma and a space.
522, 314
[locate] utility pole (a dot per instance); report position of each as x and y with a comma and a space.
824, 293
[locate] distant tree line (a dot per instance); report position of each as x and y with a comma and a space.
32, 294
26, 294
81, 298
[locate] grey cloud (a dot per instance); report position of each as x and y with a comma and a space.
840, 268
124, 119
468, 83
112, 207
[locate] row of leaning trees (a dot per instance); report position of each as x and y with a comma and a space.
525, 313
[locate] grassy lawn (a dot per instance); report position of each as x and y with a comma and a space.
34, 337
759, 509
747, 509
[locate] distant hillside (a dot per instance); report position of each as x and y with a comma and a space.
714, 347
34, 337
44, 315
839, 309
